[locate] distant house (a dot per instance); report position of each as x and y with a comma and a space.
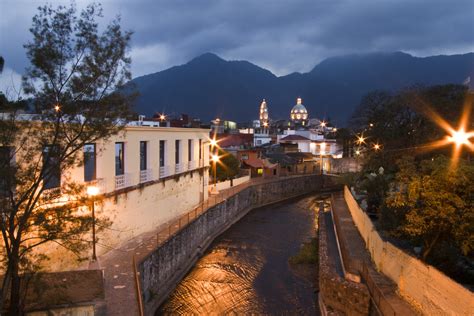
234, 142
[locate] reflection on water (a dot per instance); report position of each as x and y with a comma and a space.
246, 269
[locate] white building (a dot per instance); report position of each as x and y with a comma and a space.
309, 140
147, 176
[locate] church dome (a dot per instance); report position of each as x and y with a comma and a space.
298, 113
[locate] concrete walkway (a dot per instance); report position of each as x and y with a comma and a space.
357, 261
118, 264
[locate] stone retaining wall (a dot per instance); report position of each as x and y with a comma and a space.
164, 268
338, 295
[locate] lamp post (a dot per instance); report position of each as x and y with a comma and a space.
93, 191
321, 150
215, 159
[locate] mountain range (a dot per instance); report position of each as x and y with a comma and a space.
209, 86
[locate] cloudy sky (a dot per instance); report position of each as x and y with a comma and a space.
282, 36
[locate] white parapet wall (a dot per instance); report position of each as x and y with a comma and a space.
226, 184
429, 290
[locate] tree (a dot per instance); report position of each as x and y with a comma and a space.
75, 73
228, 167
436, 203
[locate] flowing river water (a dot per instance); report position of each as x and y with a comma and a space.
246, 269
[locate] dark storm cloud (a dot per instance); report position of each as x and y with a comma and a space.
284, 36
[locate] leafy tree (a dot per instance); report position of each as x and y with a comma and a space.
436, 203
74, 74
228, 167
402, 123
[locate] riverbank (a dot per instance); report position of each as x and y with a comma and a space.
246, 269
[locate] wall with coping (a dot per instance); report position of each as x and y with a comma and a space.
226, 184
164, 268
428, 289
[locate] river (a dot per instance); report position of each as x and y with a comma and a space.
246, 269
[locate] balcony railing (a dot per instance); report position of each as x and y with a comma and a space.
146, 175
165, 171
192, 165
122, 181
178, 168
53, 193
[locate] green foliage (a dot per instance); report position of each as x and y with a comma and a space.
376, 187
75, 71
308, 253
228, 167
436, 202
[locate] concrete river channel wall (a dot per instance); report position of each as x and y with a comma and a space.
164, 268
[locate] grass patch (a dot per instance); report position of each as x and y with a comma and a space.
308, 253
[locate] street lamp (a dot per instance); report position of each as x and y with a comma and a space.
460, 137
321, 150
360, 140
215, 159
92, 192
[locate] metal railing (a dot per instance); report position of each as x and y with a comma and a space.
52, 193
192, 165
178, 168
146, 175
122, 181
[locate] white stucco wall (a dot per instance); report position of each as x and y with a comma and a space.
137, 208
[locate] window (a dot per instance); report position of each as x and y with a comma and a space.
119, 159
162, 153
89, 162
6, 161
190, 149
200, 148
177, 151
51, 167
143, 150
245, 156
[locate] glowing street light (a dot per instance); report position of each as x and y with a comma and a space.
377, 147
323, 124
361, 140
213, 142
93, 191
162, 117
460, 137
57, 108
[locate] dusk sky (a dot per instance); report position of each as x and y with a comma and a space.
282, 36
